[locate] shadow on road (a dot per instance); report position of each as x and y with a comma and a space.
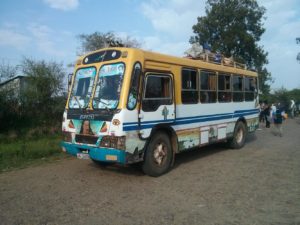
197, 153
181, 158
132, 170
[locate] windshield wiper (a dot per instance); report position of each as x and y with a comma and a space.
77, 101
101, 101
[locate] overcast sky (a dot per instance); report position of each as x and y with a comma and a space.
47, 29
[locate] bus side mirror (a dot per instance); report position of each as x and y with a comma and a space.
69, 80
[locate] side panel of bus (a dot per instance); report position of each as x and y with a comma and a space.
158, 103
200, 124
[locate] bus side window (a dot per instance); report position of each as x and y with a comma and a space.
157, 91
189, 92
134, 87
224, 88
250, 88
237, 88
208, 87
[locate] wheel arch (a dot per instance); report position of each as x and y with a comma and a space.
166, 128
243, 120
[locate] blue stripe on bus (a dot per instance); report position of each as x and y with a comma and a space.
188, 120
203, 116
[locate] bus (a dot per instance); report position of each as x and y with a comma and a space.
127, 105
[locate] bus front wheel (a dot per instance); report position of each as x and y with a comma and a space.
158, 155
239, 136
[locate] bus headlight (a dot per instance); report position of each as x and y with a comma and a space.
105, 142
113, 142
121, 143
67, 136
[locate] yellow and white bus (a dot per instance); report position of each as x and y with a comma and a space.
127, 105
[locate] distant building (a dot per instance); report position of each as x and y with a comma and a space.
14, 87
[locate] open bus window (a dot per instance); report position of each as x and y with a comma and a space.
108, 86
82, 88
157, 91
237, 88
208, 87
189, 92
250, 88
224, 89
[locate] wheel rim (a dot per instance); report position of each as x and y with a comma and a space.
239, 136
160, 153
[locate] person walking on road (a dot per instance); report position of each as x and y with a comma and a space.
293, 108
278, 119
273, 111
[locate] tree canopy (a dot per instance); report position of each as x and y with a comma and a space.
98, 40
7, 71
44, 83
284, 96
37, 100
234, 27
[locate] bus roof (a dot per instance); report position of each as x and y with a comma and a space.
206, 64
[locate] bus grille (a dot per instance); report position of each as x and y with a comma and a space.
85, 139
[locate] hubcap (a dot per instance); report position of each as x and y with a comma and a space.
239, 136
160, 153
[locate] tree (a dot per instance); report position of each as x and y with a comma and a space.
7, 71
8, 101
285, 96
44, 86
98, 40
234, 28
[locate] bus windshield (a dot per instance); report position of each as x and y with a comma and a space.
108, 86
82, 88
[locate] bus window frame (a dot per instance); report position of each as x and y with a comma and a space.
73, 83
254, 92
138, 85
163, 101
227, 92
239, 91
208, 91
190, 90
122, 83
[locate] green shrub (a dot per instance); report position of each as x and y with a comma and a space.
23, 152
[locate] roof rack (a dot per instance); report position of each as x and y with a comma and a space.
219, 59
198, 52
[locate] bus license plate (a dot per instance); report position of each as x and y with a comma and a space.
83, 156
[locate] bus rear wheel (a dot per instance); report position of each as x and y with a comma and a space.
158, 156
239, 136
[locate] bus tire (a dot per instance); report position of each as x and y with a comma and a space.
158, 155
239, 136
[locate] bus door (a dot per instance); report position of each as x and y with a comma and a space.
158, 104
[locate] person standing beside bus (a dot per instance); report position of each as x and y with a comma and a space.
261, 112
267, 112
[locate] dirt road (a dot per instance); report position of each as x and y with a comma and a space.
259, 184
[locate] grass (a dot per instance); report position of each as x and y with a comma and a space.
22, 152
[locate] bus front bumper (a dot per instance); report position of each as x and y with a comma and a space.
95, 153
